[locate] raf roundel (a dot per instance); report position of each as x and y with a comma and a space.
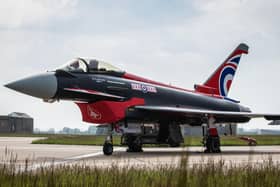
225, 80
227, 75
144, 88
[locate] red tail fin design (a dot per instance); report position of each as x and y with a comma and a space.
220, 81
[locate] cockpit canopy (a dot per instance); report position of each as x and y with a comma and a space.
89, 65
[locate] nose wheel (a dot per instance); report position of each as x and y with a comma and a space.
108, 148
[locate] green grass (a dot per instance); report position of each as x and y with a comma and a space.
189, 141
211, 174
75, 140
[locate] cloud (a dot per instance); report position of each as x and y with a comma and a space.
16, 14
170, 42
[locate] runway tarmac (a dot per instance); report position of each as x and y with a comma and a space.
42, 154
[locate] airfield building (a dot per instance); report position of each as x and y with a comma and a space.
16, 123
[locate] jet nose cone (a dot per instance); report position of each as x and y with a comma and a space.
42, 86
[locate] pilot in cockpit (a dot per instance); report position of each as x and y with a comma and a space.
93, 65
89, 66
76, 66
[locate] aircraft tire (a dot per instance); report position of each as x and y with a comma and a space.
173, 143
213, 145
108, 149
134, 144
134, 148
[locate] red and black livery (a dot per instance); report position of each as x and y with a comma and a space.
107, 95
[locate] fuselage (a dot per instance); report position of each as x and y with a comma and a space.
152, 94
160, 95
106, 94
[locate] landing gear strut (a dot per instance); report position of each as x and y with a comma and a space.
108, 144
211, 139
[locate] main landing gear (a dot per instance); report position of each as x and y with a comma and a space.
108, 144
135, 135
211, 138
134, 143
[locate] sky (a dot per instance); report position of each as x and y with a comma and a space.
179, 42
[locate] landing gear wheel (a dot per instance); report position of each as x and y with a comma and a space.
108, 144
108, 148
134, 144
172, 143
213, 145
134, 148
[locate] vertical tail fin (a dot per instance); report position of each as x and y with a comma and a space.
220, 81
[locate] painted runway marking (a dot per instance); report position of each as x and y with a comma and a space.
67, 160
80, 157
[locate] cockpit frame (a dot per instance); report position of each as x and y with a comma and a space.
82, 65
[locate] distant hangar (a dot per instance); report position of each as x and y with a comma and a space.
16, 123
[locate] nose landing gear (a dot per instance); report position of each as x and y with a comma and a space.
108, 144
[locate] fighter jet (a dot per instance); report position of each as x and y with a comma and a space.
142, 110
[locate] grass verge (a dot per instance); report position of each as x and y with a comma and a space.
211, 174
